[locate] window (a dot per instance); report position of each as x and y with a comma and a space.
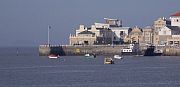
177, 20
114, 38
121, 33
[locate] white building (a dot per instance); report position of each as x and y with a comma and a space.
175, 19
167, 32
110, 32
101, 25
113, 22
96, 34
119, 34
164, 31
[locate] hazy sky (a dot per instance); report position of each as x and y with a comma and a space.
25, 22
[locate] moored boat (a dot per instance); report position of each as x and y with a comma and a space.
132, 49
108, 61
52, 56
117, 57
152, 51
90, 55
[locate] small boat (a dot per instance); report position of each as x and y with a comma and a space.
108, 61
52, 56
117, 57
87, 55
132, 49
90, 55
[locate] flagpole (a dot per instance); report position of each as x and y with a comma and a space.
48, 35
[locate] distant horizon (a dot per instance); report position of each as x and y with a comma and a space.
25, 23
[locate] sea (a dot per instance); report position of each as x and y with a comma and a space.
23, 67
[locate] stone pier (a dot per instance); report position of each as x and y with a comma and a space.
69, 50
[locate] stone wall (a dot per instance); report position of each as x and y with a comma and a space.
81, 50
69, 50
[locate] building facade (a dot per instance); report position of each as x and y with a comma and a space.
175, 19
174, 40
110, 32
83, 38
163, 32
157, 25
167, 32
148, 35
91, 36
119, 34
136, 35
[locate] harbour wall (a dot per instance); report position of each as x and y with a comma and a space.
69, 50
171, 51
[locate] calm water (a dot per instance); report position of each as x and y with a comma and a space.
30, 70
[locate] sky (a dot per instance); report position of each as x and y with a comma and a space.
25, 22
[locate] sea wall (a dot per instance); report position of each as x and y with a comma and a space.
44, 50
171, 51
81, 50
69, 50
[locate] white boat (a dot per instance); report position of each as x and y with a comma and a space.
87, 55
90, 55
52, 56
132, 49
117, 57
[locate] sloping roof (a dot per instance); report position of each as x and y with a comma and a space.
136, 30
86, 32
174, 27
175, 30
176, 14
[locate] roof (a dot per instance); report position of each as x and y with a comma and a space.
175, 29
87, 32
111, 19
176, 14
136, 30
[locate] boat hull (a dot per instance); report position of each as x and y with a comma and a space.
90, 55
151, 52
53, 57
117, 57
128, 53
108, 61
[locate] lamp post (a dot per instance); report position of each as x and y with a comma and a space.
49, 27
